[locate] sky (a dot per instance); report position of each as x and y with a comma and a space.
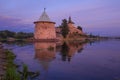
99, 17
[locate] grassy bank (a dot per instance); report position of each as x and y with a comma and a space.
12, 73
2, 62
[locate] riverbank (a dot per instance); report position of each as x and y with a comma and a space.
3, 62
9, 70
7, 66
84, 39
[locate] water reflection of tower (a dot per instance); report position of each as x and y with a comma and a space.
45, 53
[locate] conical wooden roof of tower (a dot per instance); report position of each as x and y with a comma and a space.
44, 17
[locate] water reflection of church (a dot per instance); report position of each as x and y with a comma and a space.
46, 51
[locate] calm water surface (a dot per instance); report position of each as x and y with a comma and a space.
71, 61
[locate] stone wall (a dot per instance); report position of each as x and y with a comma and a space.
44, 30
74, 29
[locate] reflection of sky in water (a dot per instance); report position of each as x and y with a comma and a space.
100, 61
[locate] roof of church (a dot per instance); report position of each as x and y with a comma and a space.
44, 17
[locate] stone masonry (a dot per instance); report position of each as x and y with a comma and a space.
44, 28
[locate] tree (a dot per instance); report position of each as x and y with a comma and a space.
65, 29
23, 35
5, 34
9, 34
79, 27
64, 51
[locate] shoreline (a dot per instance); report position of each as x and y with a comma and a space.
9, 69
3, 62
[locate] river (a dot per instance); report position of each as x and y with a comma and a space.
70, 61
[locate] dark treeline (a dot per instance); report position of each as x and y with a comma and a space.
17, 35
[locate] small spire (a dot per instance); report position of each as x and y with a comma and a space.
44, 16
44, 9
70, 20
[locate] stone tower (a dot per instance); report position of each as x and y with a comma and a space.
44, 28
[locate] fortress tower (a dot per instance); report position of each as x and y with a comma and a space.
44, 28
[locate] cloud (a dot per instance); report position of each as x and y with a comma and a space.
9, 21
92, 15
14, 24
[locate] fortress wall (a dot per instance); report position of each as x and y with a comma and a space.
45, 30
73, 29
